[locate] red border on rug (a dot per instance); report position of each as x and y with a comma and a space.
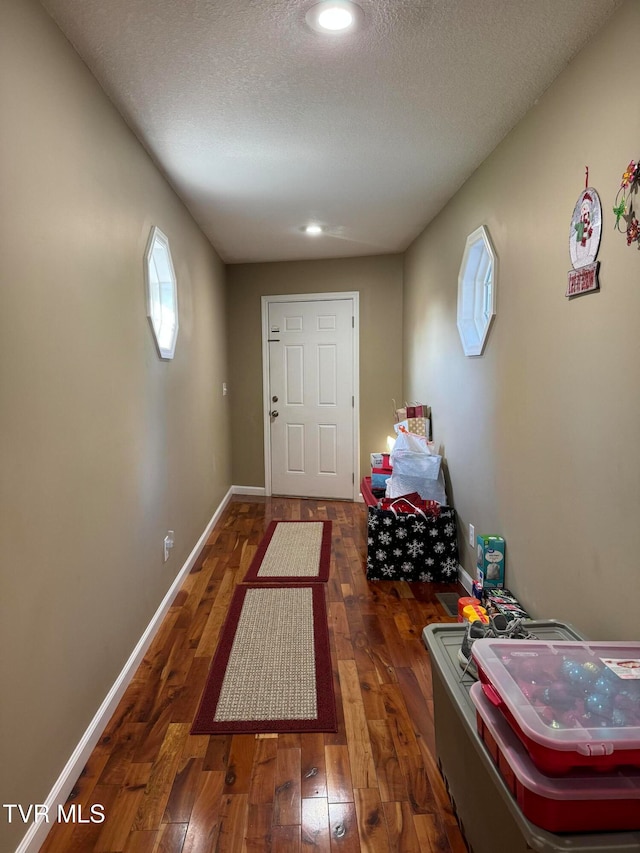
326, 721
324, 560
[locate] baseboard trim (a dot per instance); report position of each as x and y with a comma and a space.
465, 579
249, 490
34, 839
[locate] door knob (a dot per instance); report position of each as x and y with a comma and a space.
274, 414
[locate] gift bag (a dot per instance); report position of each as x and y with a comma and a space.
418, 416
411, 503
411, 410
418, 426
412, 546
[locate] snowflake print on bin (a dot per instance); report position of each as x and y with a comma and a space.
414, 548
449, 566
370, 540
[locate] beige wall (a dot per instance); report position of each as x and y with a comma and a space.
379, 283
103, 447
541, 432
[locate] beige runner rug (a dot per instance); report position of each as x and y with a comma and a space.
272, 669
292, 551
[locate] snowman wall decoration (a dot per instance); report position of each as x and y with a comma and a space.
584, 242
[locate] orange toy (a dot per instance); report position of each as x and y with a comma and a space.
464, 602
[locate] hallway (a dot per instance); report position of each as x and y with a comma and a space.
371, 786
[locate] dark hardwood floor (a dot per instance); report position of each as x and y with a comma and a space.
372, 786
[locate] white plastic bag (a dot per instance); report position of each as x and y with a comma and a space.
430, 490
413, 457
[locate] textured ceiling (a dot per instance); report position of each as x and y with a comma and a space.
262, 124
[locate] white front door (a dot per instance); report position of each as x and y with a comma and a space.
311, 397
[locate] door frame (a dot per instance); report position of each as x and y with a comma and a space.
352, 295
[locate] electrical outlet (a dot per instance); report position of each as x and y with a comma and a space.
224, 389
472, 536
168, 544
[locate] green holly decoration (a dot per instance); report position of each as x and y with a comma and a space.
620, 211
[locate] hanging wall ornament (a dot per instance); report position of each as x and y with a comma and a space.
584, 242
626, 218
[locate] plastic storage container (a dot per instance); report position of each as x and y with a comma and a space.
581, 801
571, 704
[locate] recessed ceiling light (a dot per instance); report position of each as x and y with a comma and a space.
313, 229
334, 16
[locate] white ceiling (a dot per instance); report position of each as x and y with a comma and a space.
262, 124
